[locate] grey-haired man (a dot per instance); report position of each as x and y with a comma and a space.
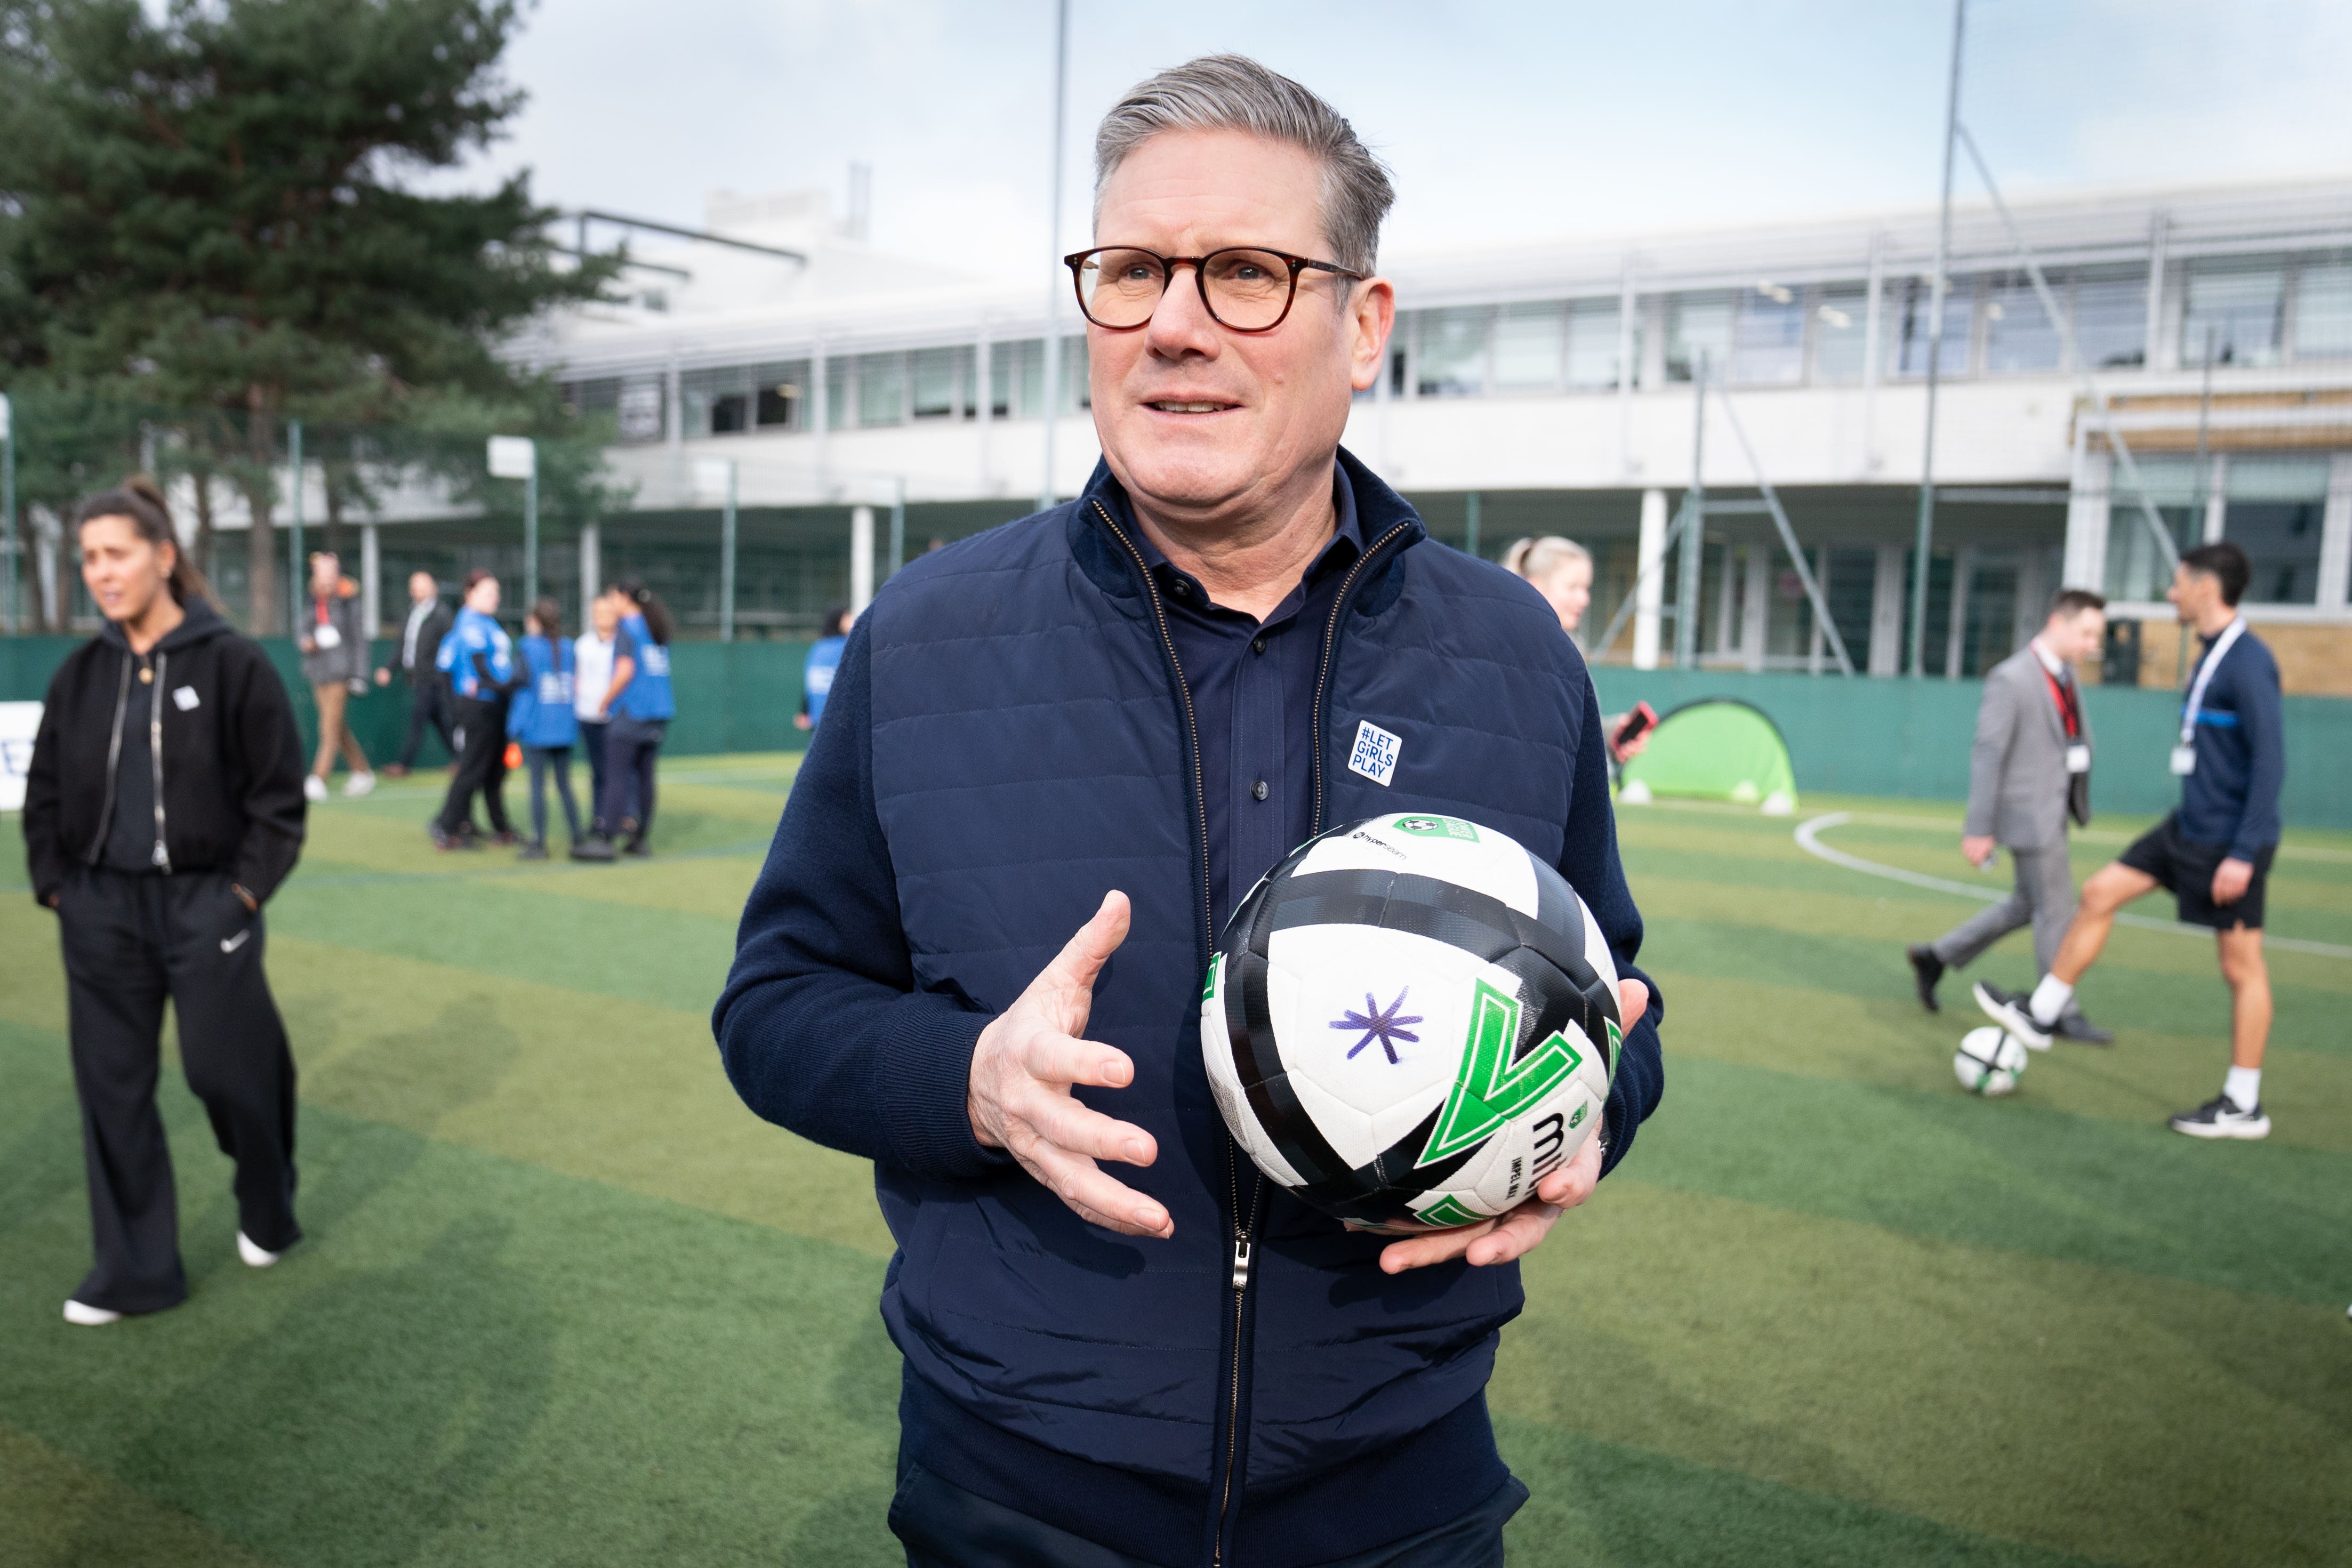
1111, 718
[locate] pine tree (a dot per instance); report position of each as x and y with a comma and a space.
210, 208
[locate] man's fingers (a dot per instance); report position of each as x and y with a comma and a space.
1075, 1181
1437, 1247
1083, 955
1515, 1237
1071, 1125
1572, 1182
1633, 1001
1052, 1057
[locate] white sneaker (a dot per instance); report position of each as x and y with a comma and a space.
255, 1254
88, 1316
357, 785
313, 788
2013, 1010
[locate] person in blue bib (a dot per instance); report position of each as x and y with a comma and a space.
541, 720
477, 657
638, 707
824, 659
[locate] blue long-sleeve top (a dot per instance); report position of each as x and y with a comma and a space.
2233, 797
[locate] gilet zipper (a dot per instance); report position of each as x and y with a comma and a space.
1244, 1226
113, 758
156, 759
1330, 645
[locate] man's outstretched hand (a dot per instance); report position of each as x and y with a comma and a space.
1022, 1071
1517, 1233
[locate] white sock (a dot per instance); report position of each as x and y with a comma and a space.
2049, 999
2244, 1087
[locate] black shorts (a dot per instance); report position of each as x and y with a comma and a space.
2187, 867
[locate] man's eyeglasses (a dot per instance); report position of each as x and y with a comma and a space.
1246, 288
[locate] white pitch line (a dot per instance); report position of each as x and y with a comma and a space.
1809, 841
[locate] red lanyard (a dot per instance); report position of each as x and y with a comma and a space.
2067, 710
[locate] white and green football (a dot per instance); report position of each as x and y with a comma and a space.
1411, 1022
1989, 1061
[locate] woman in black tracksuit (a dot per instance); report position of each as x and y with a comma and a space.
163, 806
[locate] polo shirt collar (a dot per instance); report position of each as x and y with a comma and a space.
1346, 543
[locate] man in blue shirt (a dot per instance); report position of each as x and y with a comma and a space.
2214, 853
1111, 718
824, 659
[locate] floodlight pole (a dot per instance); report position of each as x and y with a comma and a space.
1693, 524
726, 558
297, 581
8, 512
1053, 343
531, 534
2067, 345
897, 531
1926, 532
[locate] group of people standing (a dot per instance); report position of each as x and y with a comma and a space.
608, 692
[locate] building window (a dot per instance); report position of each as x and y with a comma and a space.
2239, 310
2273, 513
1841, 334
2020, 336
1768, 337
2111, 317
1529, 345
639, 410
1592, 343
2322, 310
1913, 308
2177, 488
837, 371
881, 388
779, 402
1016, 378
1698, 324
938, 377
1450, 361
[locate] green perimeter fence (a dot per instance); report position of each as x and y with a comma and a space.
1846, 737
731, 696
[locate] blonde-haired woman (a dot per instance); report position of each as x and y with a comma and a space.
1561, 570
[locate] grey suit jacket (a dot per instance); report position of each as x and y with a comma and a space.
2017, 775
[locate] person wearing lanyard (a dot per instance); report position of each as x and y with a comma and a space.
2030, 773
2214, 853
478, 656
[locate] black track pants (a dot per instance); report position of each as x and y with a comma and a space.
130, 942
481, 766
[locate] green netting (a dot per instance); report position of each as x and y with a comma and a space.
1715, 749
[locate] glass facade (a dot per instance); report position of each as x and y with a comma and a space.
1768, 337
1698, 324
1450, 355
2322, 310
1593, 344
2275, 511
2239, 310
2020, 336
2111, 317
1841, 334
1910, 314
1529, 341
2177, 488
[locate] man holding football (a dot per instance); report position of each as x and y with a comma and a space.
1112, 717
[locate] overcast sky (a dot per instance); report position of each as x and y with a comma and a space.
1502, 121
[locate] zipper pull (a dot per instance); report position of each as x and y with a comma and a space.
1240, 1262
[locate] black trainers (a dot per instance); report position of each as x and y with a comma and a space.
1925, 971
443, 840
2077, 1029
2012, 1011
638, 847
2221, 1118
533, 850
595, 849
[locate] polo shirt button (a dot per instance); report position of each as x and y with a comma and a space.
1179, 588
1257, 644
1259, 791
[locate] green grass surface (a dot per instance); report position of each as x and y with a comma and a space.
565, 1301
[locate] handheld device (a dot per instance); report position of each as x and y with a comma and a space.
1636, 723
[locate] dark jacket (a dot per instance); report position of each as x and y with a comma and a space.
435, 626
230, 761
1007, 738
2233, 798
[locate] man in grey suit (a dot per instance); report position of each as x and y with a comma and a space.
2029, 772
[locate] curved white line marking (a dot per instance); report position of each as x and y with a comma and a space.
1809, 839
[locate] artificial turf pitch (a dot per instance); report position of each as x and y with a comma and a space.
564, 1301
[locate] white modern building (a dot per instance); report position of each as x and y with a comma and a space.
1550, 389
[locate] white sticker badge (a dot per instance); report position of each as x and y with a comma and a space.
1375, 753
185, 698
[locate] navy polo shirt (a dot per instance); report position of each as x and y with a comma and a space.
1252, 686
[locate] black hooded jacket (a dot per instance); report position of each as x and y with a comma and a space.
229, 759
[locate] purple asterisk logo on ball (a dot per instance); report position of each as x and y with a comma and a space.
1381, 1024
